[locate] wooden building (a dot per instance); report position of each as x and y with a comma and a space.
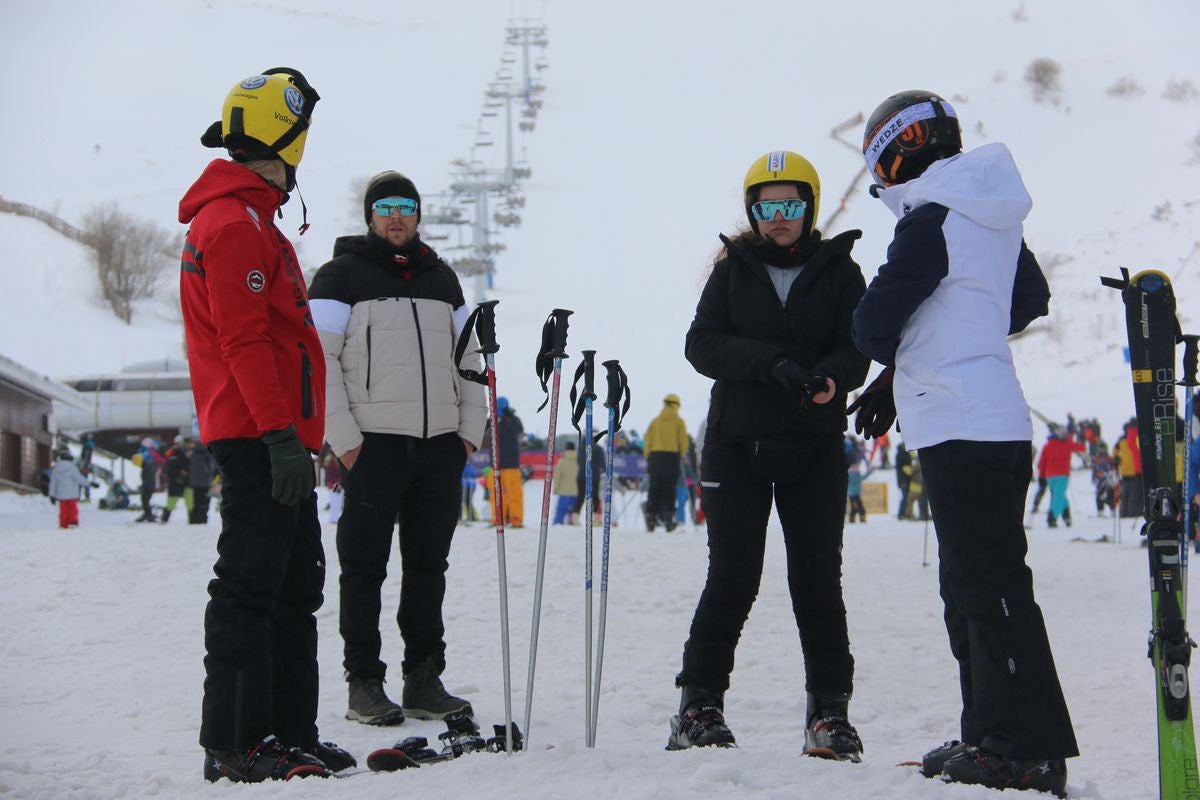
27, 427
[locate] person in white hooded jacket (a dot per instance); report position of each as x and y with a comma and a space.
957, 282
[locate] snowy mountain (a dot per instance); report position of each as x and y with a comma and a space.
653, 111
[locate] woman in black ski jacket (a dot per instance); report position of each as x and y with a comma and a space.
772, 329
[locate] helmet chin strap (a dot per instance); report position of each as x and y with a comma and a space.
303, 210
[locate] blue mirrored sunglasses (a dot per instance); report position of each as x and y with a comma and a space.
765, 210
387, 206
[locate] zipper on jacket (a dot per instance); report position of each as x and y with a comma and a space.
306, 403
424, 377
368, 358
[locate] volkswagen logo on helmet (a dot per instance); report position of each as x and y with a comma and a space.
254, 82
294, 100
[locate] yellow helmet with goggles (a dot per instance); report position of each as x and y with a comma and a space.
784, 166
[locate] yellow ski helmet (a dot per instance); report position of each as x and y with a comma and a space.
265, 116
672, 399
784, 166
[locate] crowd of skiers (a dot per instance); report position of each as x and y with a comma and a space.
184, 470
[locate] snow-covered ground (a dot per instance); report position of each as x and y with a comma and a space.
101, 646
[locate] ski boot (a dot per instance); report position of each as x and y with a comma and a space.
984, 768
700, 722
828, 733
332, 756
267, 760
933, 761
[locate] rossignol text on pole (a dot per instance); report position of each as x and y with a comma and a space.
549, 365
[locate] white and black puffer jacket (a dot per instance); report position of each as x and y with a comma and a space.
389, 321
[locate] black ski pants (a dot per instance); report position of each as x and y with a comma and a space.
260, 626
662, 469
418, 482
807, 481
1012, 701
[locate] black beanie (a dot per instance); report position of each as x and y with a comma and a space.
389, 184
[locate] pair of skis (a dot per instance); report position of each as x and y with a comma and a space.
1153, 331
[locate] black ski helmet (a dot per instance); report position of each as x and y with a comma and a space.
908, 132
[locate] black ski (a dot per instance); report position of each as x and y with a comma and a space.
1153, 331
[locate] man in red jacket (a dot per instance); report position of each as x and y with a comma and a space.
258, 378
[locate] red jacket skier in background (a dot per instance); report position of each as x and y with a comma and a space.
1055, 459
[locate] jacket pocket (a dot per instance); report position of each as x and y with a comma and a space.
306, 399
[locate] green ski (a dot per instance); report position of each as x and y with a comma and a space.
1153, 331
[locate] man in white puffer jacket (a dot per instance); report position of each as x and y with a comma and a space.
957, 282
403, 422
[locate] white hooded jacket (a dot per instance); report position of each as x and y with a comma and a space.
957, 282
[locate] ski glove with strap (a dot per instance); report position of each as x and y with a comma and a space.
876, 407
796, 379
292, 476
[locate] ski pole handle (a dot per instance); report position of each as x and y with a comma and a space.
618, 390
589, 374
485, 327
558, 333
613, 374
581, 400
553, 349
1189, 359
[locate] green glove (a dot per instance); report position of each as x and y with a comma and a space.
292, 476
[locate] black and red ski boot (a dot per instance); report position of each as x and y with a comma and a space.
982, 767
332, 756
267, 760
700, 722
829, 733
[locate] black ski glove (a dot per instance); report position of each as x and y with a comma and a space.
797, 380
876, 406
292, 476
53, 501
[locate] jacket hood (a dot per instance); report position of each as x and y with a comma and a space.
223, 178
982, 185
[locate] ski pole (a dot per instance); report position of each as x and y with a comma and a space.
1189, 488
925, 545
485, 327
549, 362
618, 389
582, 405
